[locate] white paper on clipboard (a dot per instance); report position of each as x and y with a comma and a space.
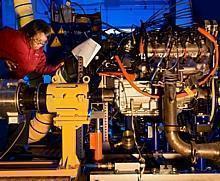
87, 50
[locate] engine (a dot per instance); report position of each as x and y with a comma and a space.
161, 88
144, 107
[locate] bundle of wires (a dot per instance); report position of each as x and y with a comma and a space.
180, 12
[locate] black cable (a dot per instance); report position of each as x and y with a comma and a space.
165, 9
113, 27
78, 6
15, 140
158, 21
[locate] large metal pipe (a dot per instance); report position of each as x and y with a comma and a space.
206, 150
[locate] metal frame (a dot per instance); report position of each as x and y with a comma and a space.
39, 173
153, 177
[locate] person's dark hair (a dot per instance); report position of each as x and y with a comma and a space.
34, 27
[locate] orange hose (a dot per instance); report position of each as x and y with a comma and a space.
116, 74
184, 94
202, 31
126, 75
213, 40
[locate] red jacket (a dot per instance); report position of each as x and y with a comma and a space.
15, 47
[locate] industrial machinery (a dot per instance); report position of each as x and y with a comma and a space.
144, 108
161, 87
69, 103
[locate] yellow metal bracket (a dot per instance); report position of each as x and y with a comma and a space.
70, 103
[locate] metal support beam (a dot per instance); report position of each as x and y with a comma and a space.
153, 177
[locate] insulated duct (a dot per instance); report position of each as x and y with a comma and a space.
39, 127
205, 150
24, 11
40, 124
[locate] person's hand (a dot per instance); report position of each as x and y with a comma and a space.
21, 81
11, 65
60, 65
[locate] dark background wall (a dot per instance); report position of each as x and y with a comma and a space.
120, 13
206, 9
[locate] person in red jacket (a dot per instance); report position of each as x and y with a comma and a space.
23, 50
